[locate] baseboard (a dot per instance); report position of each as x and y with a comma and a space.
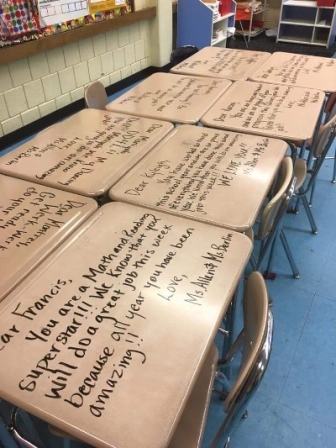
40, 124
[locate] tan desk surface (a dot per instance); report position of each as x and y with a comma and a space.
298, 70
225, 63
278, 111
208, 175
34, 220
175, 98
111, 331
86, 153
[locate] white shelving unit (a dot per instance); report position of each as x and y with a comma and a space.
302, 21
198, 25
259, 15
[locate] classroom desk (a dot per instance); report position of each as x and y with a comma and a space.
290, 113
224, 63
174, 98
109, 350
34, 220
213, 176
86, 153
299, 70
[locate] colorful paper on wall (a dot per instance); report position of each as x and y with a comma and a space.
57, 11
17, 17
105, 5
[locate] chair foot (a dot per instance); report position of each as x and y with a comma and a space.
297, 276
245, 415
269, 275
227, 443
333, 181
314, 232
270, 302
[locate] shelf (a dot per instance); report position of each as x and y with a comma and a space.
320, 42
226, 16
264, 8
323, 26
295, 39
217, 41
23, 50
300, 22
301, 3
252, 34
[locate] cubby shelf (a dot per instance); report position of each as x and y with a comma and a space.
302, 21
197, 25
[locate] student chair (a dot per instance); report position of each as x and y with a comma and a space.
190, 429
306, 177
95, 96
270, 228
256, 341
330, 111
180, 54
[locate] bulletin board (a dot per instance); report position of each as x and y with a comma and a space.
25, 20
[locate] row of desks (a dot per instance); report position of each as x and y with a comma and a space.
96, 334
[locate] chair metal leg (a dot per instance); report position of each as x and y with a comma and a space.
310, 215
334, 172
296, 272
312, 191
241, 26
268, 274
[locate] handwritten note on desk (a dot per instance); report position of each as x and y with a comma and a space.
175, 98
86, 153
222, 63
213, 176
34, 220
267, 109
82, 340
298, 70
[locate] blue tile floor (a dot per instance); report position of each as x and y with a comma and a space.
295, 406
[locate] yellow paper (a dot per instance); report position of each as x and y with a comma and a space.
104, 5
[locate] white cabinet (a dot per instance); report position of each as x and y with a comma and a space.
198, 24
302, 21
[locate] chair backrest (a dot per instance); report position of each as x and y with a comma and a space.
270, 214
326, 135
95, 96
182, 53
257, 342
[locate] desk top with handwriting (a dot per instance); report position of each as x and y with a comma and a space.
86, 153
34, 220
299, 70
96, 349
225, 63
175, 98
208, 175
278, 111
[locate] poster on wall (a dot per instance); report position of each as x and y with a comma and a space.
105, 5
57, 11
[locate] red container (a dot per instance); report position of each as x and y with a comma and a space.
224, 7
325, 2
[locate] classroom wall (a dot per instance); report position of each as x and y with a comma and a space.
36, 86
272, 14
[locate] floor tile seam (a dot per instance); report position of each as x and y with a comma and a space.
305, 415
270, 424
296, 349
295, 285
